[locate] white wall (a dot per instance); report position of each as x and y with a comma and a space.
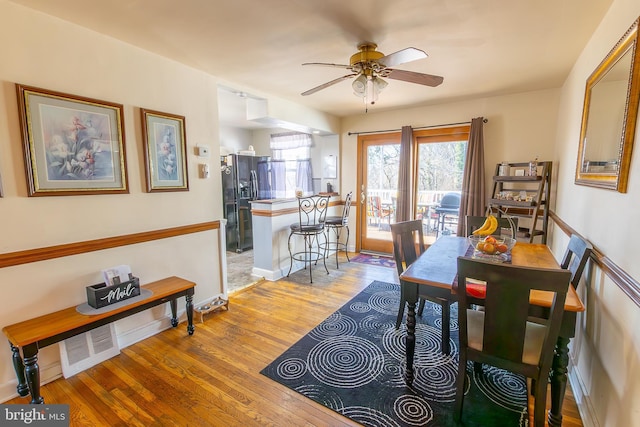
234, 139
606, 350
520, 127
46, 52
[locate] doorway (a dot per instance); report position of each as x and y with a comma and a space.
437, 165
378, 165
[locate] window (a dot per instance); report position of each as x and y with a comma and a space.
291, 168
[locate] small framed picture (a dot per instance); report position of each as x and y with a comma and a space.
165, 151
519, 172
72, 145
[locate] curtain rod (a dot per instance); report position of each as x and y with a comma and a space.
485, 120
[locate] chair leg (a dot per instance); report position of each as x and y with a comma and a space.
324, 258
346, 244
540, 403
308, 242
477, 368
290, 254
326, 239
337, 231
460, 380
446, 327
401, 307
421, 306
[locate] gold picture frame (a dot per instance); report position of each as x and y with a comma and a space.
72, 145
165, 151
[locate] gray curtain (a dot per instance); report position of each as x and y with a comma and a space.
403, 203
473, 190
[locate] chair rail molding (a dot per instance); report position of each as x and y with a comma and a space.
628, 285
58, 251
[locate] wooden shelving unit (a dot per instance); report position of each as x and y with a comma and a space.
526, 197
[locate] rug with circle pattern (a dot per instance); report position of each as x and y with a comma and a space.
353, 363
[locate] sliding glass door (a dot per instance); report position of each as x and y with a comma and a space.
439, 166
437, 163
379, 157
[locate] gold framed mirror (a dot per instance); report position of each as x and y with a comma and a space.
609, 117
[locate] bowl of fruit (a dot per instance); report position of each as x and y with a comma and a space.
496, 248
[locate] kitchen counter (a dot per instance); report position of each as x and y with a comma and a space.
271, 221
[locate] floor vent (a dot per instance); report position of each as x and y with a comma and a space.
86, 350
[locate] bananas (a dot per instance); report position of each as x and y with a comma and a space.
489, 227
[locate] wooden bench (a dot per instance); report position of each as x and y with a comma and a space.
33, 334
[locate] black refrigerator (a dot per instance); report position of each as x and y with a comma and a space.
239, 187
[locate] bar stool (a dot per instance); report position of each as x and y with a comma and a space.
312, 212
337, 223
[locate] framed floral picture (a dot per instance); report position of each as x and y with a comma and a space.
72, 145
165, 151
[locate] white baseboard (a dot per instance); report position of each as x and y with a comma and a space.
271, 275
583, 400
53, 371
48, 373
133, 336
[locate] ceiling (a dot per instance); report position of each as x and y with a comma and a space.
481, 47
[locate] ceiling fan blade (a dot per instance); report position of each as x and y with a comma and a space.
402, 56
327, 64
326, 85
413, 77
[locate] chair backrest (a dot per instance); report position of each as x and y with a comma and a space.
346, 208
474, 222
312, 210
450, 201
408, 243
507, 308
576, 257
374, 206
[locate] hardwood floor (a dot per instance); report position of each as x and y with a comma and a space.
213, 377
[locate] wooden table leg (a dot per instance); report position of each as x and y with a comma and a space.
411, 294
558, 380
174, 312
189, 298
32, 372
410, 341
18, 366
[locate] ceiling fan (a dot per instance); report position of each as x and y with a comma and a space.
368, 66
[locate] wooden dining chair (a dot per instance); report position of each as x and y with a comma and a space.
501, 335
408, 245
574, 260
576, 257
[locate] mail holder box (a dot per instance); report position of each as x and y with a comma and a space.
102, 295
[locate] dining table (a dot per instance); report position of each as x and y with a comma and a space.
435, 273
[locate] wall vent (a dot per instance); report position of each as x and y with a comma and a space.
86, 350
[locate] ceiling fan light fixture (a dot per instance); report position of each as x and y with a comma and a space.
379, 84
359, 85
368, 66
